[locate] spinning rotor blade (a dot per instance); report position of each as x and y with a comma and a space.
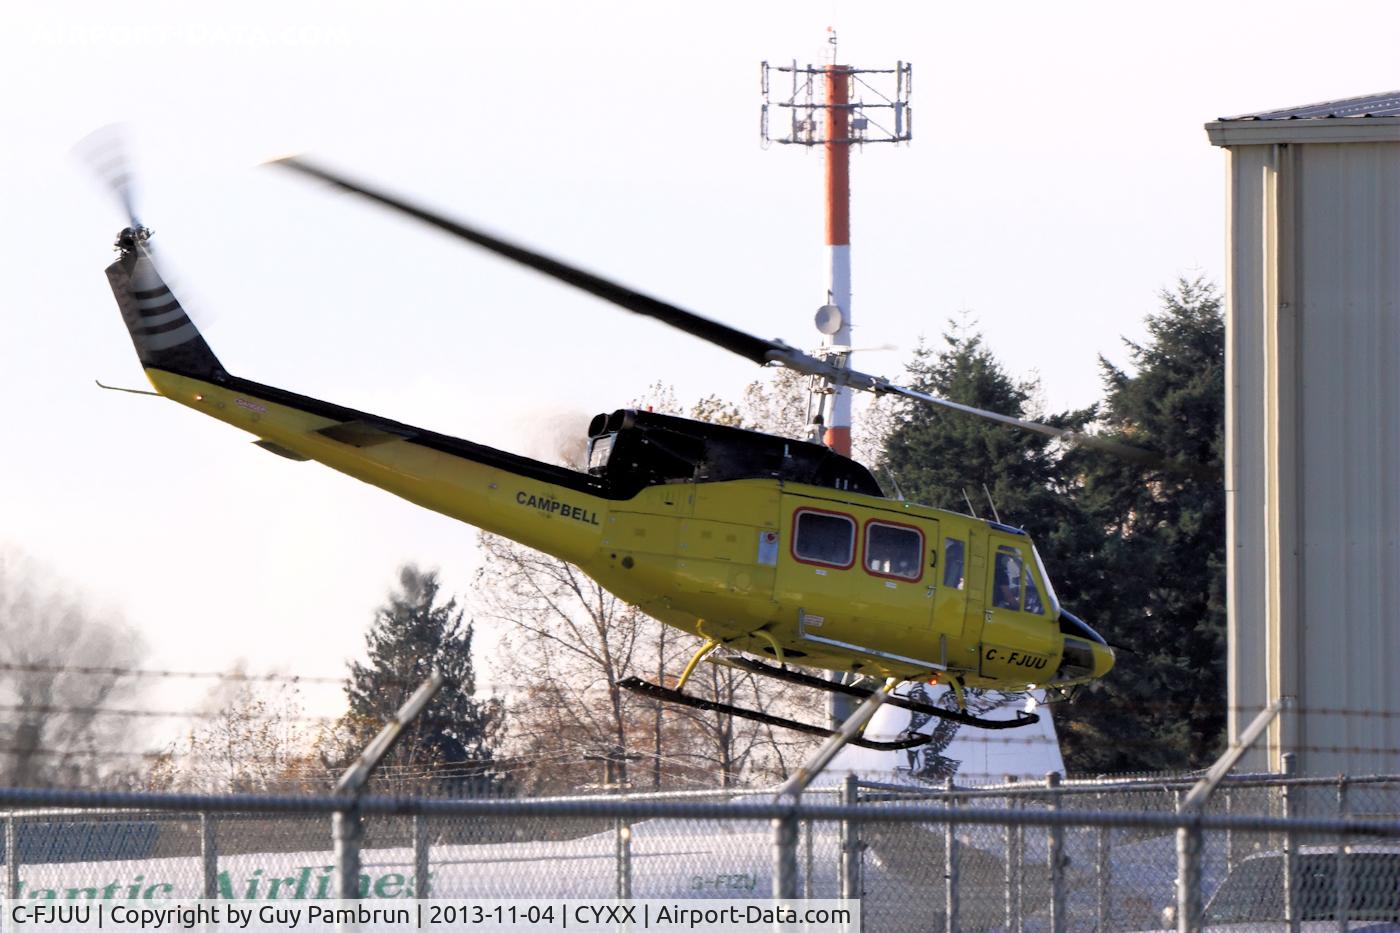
105, 152
1092, 441
736, 341
881, 386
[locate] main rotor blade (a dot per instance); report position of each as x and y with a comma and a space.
882, 386
746, 345
1092, 441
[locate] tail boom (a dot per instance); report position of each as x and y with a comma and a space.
556, 510
550, 508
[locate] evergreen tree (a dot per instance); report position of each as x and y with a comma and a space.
1138, 552
1157, 583
948, 459
412, 635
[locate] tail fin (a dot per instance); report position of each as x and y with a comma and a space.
163, 333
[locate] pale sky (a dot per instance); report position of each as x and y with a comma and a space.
1058, 179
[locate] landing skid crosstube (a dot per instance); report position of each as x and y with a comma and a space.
807, 680
667, 695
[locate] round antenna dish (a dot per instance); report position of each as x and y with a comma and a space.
829, 319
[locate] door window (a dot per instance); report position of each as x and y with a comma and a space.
1033, 602
1006, 585
953, 563
894, 550
1012, 581
824, 538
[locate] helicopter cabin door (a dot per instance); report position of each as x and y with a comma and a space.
1018, 636
959, 564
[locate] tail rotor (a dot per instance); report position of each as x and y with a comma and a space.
107, 155
163, 333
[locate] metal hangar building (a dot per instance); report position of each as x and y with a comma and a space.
1312, 472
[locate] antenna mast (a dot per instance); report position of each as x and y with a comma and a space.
828, 108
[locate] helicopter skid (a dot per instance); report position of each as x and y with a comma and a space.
667, 695
807, 680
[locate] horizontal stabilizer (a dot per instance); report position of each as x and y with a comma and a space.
364, 433
273, 447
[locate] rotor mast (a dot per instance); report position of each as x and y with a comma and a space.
826, 91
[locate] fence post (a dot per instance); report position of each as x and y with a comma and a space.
624, 860
11, 859
348, 831
1343, 863
1229, 802
1015, 864
950, 864
1103, 875
1188, 874
785, 852
209, 854
850, 841
1290, 855
422, 866
1057, 859
809, 869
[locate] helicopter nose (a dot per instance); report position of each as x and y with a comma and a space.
1104, 659
1087, 655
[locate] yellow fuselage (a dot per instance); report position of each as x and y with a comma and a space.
716, 559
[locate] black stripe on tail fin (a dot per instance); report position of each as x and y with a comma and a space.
163, 333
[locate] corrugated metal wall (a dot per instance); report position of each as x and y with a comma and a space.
1313, 474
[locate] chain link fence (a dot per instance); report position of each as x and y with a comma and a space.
1016, 857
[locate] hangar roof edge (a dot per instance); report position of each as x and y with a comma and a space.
1385, 104
1372, 118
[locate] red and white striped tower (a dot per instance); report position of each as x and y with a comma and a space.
825, 91
838, 240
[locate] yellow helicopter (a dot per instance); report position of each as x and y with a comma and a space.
781, 550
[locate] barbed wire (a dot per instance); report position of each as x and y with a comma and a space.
644, 762
56, 710
682, 759
241, 676
274, 677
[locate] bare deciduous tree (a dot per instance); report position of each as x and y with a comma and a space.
59, 683
569, 644
254, 740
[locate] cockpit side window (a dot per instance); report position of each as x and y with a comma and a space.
1007, 583
1033, 601
894, 550
824, 538
953, 563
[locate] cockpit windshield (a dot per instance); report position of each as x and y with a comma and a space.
598, 450
1049, 587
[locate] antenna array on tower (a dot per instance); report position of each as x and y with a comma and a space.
878, 113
